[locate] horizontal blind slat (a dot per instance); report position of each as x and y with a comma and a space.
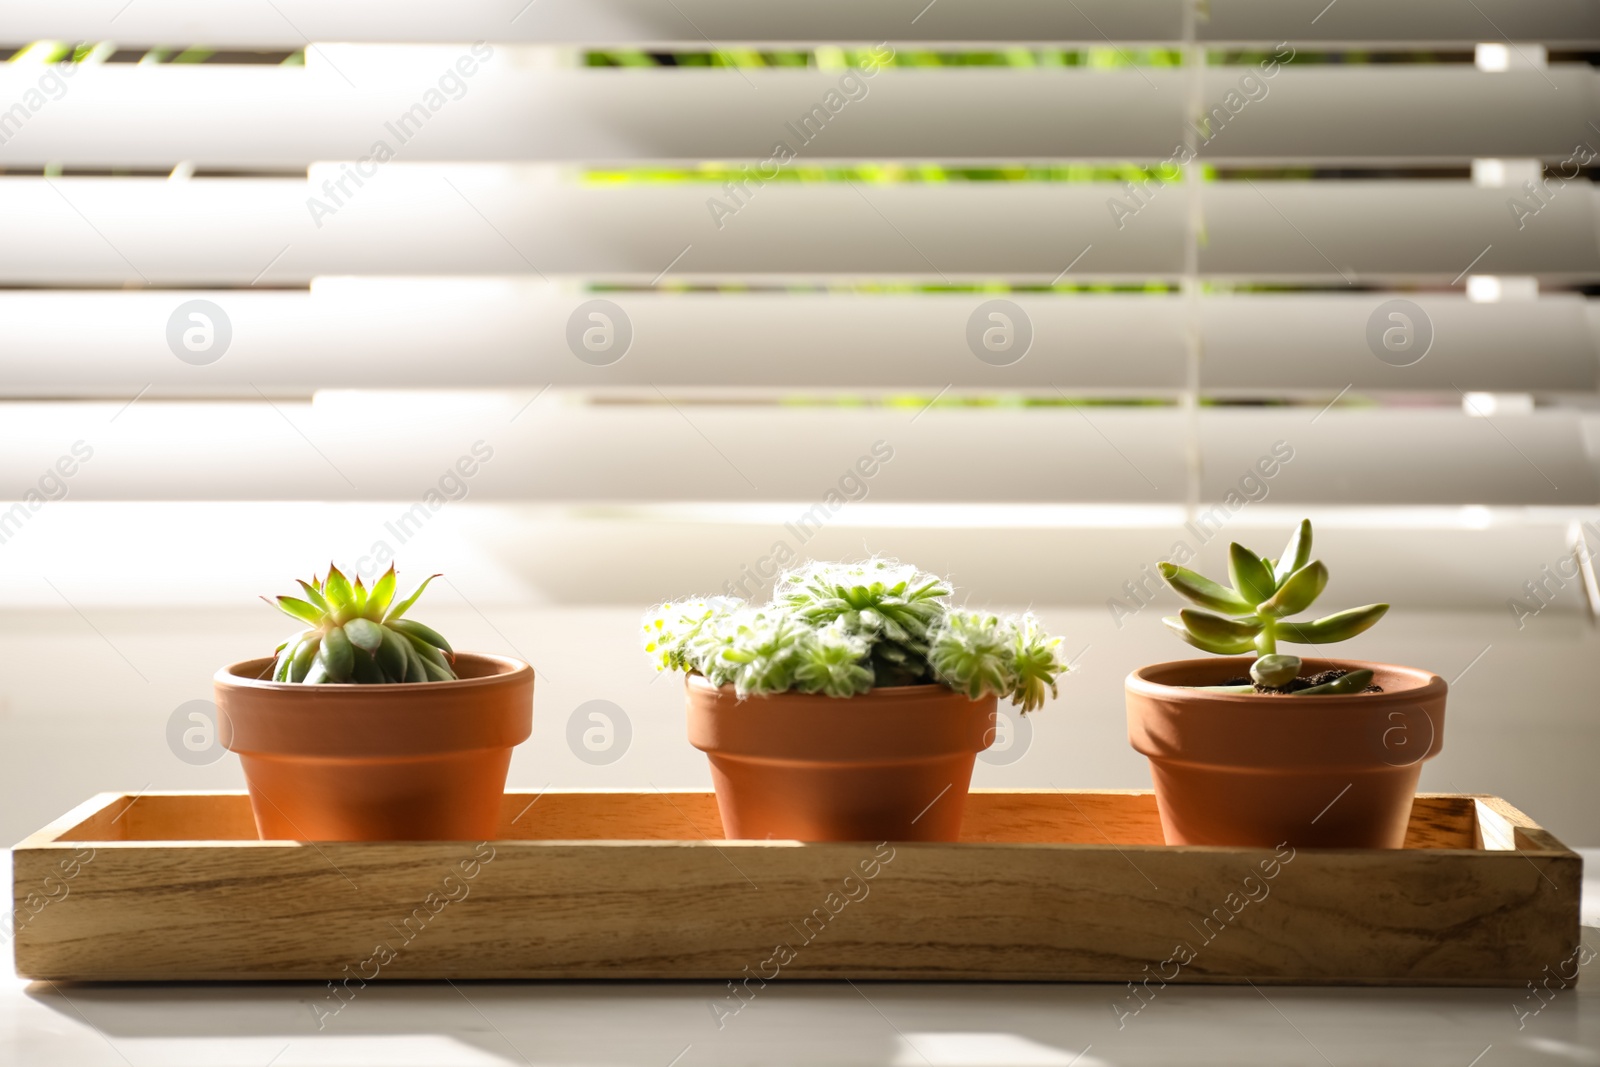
1290, 343
424, 219
511, 334
554, 453
282, 117
1401, 457
1414, 24
343, 448
692, 23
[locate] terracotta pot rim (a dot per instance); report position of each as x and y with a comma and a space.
507, 668
1423, 683
887, 692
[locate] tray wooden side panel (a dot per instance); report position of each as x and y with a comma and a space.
1110, 911
1124, 817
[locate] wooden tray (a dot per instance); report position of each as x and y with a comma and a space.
1046, 885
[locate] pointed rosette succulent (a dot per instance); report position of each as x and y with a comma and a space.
1252, 615
359, 635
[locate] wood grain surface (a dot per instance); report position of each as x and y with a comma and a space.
1045, 885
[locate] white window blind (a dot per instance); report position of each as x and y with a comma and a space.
1204, 218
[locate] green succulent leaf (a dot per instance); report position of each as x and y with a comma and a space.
435, 665
1204, 591
296, 608
305, 655
393, 658
426, 633
314, 595
1354, 682
1217, 627
280, 668
337, 590
416, 667
382, 594
1296, 553
1252, 579
364, 669
405, 605
1297, 592
337, 655
1340, 626
364, 634
1218, 646
1275, 670
360, 593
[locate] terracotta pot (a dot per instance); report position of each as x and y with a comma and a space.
1336, 771
418, 761
893, 764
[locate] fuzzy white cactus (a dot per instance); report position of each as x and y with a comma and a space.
842, 628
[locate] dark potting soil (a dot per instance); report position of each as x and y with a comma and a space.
1300, 683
